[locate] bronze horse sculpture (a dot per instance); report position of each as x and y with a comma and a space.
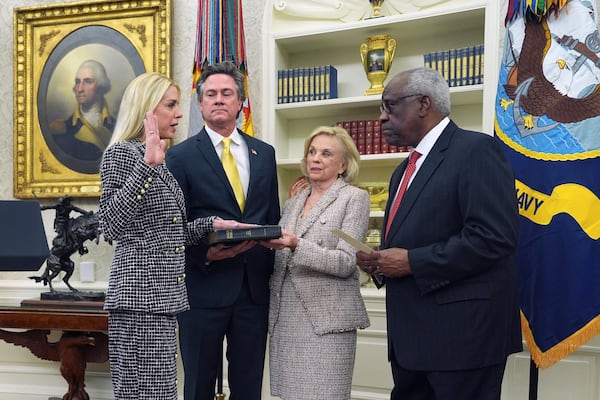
72, 233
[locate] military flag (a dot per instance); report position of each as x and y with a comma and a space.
219, 37
548, 118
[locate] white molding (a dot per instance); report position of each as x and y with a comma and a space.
33, 380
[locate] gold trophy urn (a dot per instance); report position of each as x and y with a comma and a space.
377, 54
376, 4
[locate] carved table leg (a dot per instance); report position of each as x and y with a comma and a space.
74, 350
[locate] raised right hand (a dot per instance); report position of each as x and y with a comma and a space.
155, 146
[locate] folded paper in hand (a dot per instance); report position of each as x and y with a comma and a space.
355, 243
236, 235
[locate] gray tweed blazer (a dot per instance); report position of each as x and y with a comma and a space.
142, 208
323, 268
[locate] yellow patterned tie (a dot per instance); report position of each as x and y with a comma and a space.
231, 170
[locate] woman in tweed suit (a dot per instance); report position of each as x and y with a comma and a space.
142, 208
316, 306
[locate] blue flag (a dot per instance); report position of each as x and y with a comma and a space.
547, 116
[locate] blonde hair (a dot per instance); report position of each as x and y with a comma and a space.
141, 95
351, 155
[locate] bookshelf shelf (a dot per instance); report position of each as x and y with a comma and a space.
368, 160
296, 43
321, 108
460, 95
410, 27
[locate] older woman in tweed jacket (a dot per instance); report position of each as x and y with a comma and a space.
316, 306
142, 208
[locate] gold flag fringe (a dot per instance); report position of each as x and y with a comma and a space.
546, 359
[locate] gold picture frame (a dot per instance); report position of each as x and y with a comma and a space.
50, 44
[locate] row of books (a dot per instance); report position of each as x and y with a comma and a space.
306, 84
366, 134
460, 67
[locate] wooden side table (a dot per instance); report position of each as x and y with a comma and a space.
84, 339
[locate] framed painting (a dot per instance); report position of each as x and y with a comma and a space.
72, 63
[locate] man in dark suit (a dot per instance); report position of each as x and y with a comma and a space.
446, 258
228, 288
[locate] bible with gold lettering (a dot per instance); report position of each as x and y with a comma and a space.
236, 235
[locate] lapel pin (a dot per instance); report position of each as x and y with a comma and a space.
254, 152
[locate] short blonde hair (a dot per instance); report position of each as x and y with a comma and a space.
141, 95
351, 155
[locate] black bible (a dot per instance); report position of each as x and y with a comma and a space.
236, 235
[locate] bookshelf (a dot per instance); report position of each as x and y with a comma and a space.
297, 42
291, 42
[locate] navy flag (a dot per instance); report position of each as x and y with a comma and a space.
547, 116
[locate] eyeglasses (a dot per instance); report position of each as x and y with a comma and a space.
386, 104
